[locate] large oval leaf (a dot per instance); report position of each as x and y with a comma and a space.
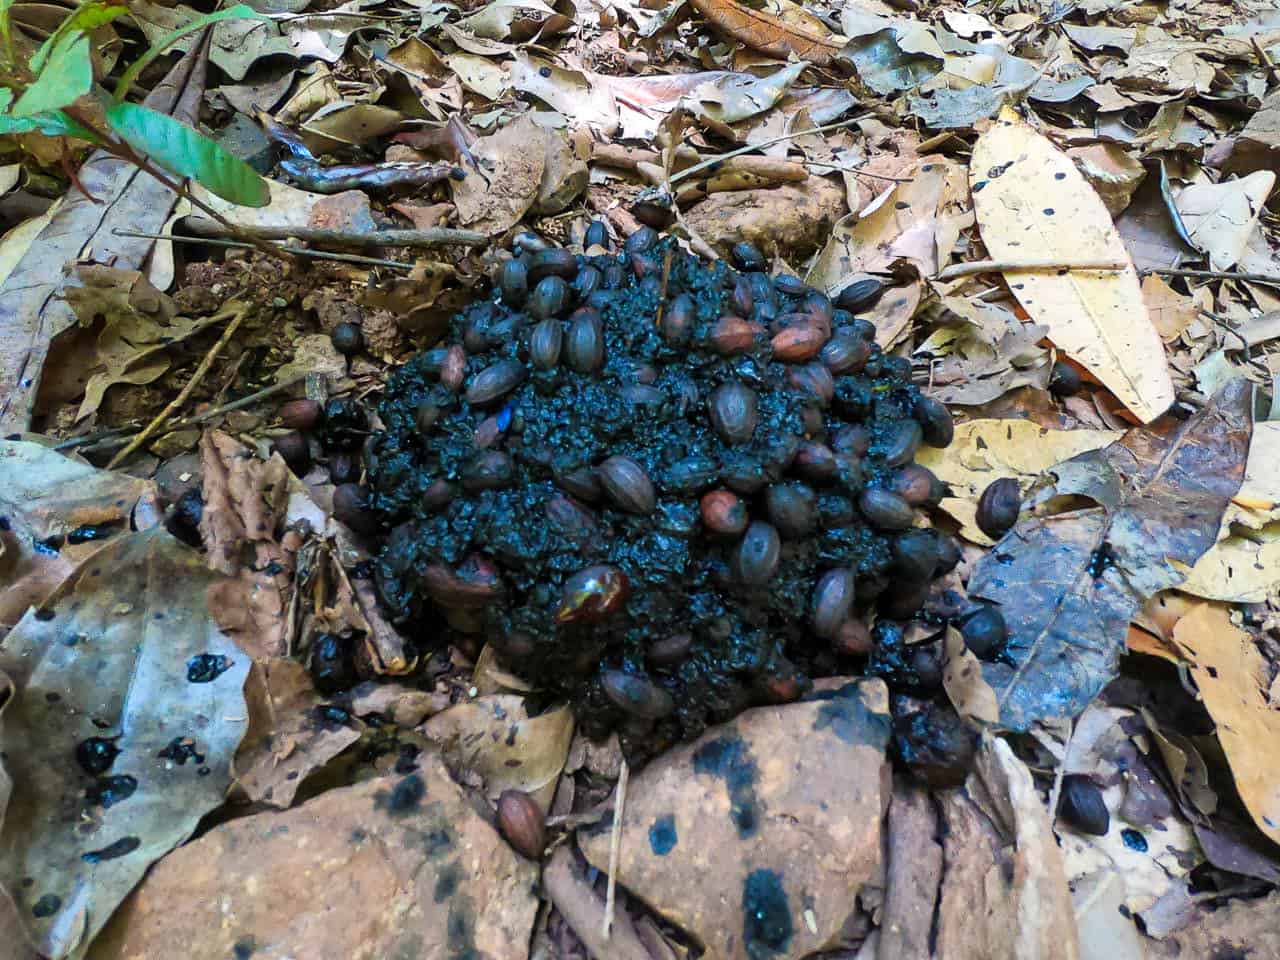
184, 151
67, 75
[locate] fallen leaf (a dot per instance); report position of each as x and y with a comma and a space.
1024, 191
1111, 171
409, 869
1161, 497
1220, 216
889, 55
503, 182
571, 92
1233, 678
792, 217
799, 34
1171, 312
963, 682
124, 650
1239, 924
1150, 227
514, 20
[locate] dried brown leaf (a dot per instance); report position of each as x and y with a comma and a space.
805, 37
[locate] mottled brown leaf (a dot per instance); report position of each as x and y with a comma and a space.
769, 34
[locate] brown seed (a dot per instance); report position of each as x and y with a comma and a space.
855, 439
814, 461
885, 510
917, 485
900, 443
903, 600
852, 639
343, 468
998, 507
815, 380
818, 305
425, 415
454, 368
627, 485
732, 409
758, 554
915, 555
570, 517
936, 423
845, 353
732, 335
793, 509
554, 262
593, 594
438, 495
638, 696
678, 318
799, 343
860, 293
486, 433
294, 450
584, 344
300, 414
349, 508
742, 299
521, 822
832, 602
581, 483
495, 382
671, 650
472, 586
489, 470
723, 513
544, 344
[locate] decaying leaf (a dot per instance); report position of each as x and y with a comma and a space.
125, 651
962, 679
1033, 205
1233, 678
1220, 216
796, 33
503, 184
1070, 583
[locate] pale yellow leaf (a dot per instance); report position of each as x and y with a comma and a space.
1219, 217
1033, 205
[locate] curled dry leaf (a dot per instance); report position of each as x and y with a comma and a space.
1033, 205
1161, 496
1233, 678
503, 183
1219, 217
797, 33
125, 650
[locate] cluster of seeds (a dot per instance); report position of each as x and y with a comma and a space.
663, 488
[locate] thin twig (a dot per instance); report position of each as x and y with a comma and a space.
296, 251
753, 147
855, 171
1271, 278
957, 270
434, 237
184, 393
615, 846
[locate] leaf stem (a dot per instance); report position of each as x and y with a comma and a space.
753, 147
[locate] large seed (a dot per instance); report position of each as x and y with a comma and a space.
936, 424
860, 293
494, 382
350, 506
815, 380
789, 285
514, 283
742, 299
593, 594
521, 822
640, 240
581, 483
544, 344
677, 319
597, 235
917, 485
747, 256
454, 368
526, 241
637, 696
732, 335
814, 461
691, 475
853, 639
998, 507
570, 517
900, 443
743, 473
671, 650
984, 632
491, 470
818, 305
723, 513
732, 408
832, 602
301, 414
854, 438
845, 353
549, 298
584, 345
627, 485
438, 495
473, 586
793, 509
915, 555
556, 262
758, 554
798, 343
1082, 806
903, 600
885, 510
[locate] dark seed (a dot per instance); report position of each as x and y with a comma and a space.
855, 439
587, 282
597, 235
1064, 380
549, 298
866, 330
513, 283
743, 298
491, 470
521, 822
798, 343
885, 510
723, 513
903, 600
343, 468
584, 344
347, 339
790, 285
984, 632
330, 664
554, 262
915, 555
818, 305
691, 475
645, 266
425, 415
652, 214
641, 240
936, 424
677, 319
1082, 806
96, 754
832, 602
850, 473
834, 510
295, 451
581, 483
998, 507
732, 335
671, 650
636, 695
472, 586
746, 256
793, 509
349, 501
815, 380
593, 594
732, 409
758, 554
300, 414
627, 485
438, 495
814, 461
845, 353
901, 442
544, 344
853, 639
494, 382
948, 555
917, 485
529, 242
570, 517
455, 367
860, 293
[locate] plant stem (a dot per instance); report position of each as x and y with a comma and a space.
753, 147
296, 251
434, 237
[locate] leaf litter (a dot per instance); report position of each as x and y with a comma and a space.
1009, 180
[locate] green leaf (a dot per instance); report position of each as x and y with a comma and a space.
68, 75
6, 31
241, 11
184, 151
6, 96
55, 123
86, 17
